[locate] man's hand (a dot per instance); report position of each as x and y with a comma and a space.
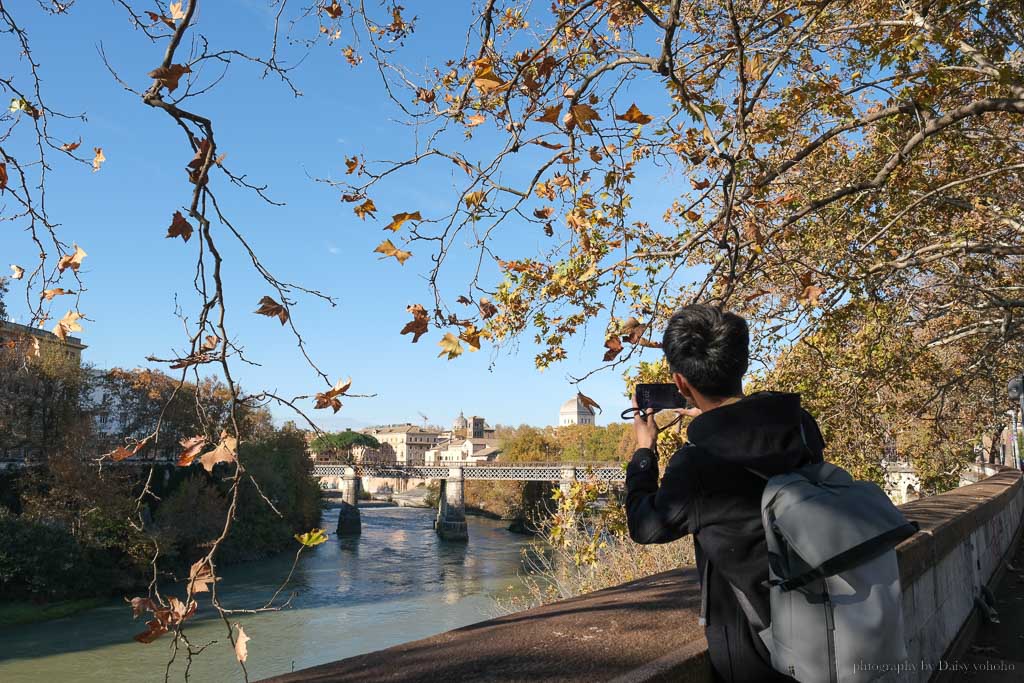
645, 427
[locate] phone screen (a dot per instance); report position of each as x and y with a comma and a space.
660, 397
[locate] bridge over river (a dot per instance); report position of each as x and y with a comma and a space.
451, 510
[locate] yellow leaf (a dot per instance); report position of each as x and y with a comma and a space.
475, 120
98, 159
450, 345
67, 324
399, 218
389, 249
17, 272
475, 199
487, 81
176, 12
312, 538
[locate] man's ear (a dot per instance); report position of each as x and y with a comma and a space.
684, 387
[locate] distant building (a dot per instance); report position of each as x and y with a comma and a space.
37, 341
469, 450
575, 412
901, 481
404, 444
473, 427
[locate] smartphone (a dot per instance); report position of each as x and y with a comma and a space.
660, 397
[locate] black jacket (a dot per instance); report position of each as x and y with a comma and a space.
708, 492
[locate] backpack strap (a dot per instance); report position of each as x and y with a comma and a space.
741, 598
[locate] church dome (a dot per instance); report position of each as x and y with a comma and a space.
460, 422
575, 406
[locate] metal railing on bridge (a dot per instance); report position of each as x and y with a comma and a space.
495, 470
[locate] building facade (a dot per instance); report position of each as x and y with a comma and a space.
575, 412
404, 444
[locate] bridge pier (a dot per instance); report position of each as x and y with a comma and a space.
349, 523
567, 480
451, 509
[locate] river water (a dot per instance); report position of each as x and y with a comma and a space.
396, 583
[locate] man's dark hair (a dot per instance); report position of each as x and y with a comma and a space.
710, 348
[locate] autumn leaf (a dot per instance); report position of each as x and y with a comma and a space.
329, 398
387, 248
200, 576
634, 115
71, 146
48, 294
210, 343
461, 163
365, 209
154, 17
3, 176
190, 449
755, 67
179, 227
450, 346
425, 95
351, 165
700, 184
587, 401
270, 308
581, 115
17, 272
72, 261
241, 644
98, 158
399, 218
551, 114
122, 453
487, 309
614, 346
312, 538
811, 294
475, 120
226, 451
176, 11
68, 324
168, 76
21, 104
419, 323
544, 213
333, 10
475, 199
487, 81
472, 336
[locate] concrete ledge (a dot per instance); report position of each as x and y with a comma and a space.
647, 630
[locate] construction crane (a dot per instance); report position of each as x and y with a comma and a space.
425, 419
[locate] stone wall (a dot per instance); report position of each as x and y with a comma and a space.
647, 630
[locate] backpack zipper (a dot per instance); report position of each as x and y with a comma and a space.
830, 634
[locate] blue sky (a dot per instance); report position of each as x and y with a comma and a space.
133, 274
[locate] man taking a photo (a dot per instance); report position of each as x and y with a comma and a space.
707, 489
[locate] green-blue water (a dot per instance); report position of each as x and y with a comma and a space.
395, 583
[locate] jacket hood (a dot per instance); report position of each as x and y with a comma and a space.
766, 431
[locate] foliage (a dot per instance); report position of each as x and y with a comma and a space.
340, 441
586, 547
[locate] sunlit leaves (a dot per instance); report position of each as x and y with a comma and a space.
177, 13
226, 451
191, 447
168, 76
271, 308
387, 248
399, 218
417, 327
241, 644
367, 208
17, 272
71, 146
123, 452
475, 120
48, 294
485, 79
450, 346
200, 576
581, 115
634, 115
72, 261
474, 199
487, 309
352, 165
23, 105
164, 618
97, 158
179, 227
312, 538
329, 398
67, 325
551, 114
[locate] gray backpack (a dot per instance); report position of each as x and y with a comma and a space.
834, 584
